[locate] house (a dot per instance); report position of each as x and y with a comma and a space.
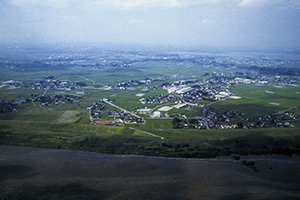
184, 90
219, 97
155, 114
173, 89
144, 110
80, 93
166, 108
140, 95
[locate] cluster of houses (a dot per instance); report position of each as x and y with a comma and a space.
118, 117
160, 99
213, 125
272, 120
133, 83
188, 93
57, 99
293, 115
95, 110
10, 105
287, 80
53, 83
213, 89
185, 92
12, 84
212, 120
131, 120
202, 123
47, 83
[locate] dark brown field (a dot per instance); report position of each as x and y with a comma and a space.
33, 173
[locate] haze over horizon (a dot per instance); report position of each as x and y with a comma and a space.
197, 23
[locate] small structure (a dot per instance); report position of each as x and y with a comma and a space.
145, 89
224, 93
219, 97
80, 92
140, 95
155, 114
173, 89
235, 97
145, 111
180, 105
276, 104
184, 90
166, 108
270, 92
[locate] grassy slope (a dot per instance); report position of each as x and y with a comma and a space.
186, 143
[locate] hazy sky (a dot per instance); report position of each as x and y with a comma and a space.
208, 23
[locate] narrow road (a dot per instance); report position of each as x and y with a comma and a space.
121, 108
33, 103
241, 118
282, 111
85, 78
213, 102
148, 133
45, 92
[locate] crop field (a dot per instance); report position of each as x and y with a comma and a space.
60, 129
160, 124
67, 125
257, 101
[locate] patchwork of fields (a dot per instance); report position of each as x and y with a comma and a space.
68, 125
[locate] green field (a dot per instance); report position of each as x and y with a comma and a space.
255, 101
68, 125
183, 143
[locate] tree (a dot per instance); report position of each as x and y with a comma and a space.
240, 124
177, 123
192, 121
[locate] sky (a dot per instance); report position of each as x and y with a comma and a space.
195, 23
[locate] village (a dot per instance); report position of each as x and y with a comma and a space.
41, 99
188, 94
180, 94
47, 83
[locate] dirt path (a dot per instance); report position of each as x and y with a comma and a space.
151, 134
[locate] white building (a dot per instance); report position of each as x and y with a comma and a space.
184, 90
155, 114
